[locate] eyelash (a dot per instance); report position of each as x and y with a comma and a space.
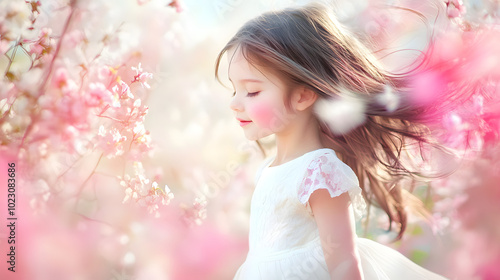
250, 94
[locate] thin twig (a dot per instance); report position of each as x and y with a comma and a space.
49, 72
82, 186
13, 56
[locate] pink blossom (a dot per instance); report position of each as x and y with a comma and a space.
70, 136
455, 8
111, 142
44, 43
6, 90
4, 46
44, 36
458, 89
61, 80
72, 110
123, 90
60, 111
141, 76
131, 115
15, 17
480, 56
428, 87
195, 214
147, 194
105, 72
177, 5
377, 21
141, 140
98, 95
30, 81
142, 136
73, 38
36, 49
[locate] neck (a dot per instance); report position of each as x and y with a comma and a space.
302, 136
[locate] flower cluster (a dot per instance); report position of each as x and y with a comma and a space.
144, 191
62, 95
458, 89
455, 8
195, 214
126, 113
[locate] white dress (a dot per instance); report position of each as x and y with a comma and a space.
284, 240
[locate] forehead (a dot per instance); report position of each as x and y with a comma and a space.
241, 68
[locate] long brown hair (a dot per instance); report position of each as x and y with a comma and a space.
309, 47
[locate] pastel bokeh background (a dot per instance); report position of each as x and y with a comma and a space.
130, 165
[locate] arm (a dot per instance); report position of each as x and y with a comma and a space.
337, 237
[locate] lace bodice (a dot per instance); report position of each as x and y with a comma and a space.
280, 216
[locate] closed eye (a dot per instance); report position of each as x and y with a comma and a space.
252, 94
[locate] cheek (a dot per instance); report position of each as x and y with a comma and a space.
262, 114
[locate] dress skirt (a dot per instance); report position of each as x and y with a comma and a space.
378, 262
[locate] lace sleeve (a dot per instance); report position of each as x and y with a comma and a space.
329, 172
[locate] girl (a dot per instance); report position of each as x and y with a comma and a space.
282, 66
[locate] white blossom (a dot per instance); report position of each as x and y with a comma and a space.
341, 114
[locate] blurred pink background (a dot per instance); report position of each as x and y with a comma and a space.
130, 164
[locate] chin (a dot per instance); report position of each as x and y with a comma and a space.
257, 136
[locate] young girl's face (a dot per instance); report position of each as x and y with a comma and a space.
258, 103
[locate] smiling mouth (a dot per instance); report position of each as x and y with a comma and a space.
243, 123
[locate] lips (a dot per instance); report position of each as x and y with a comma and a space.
243, 122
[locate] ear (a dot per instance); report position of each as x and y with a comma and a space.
303, 98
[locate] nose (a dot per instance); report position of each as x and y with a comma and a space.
235, 104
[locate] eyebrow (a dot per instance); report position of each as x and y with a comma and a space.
248, 81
